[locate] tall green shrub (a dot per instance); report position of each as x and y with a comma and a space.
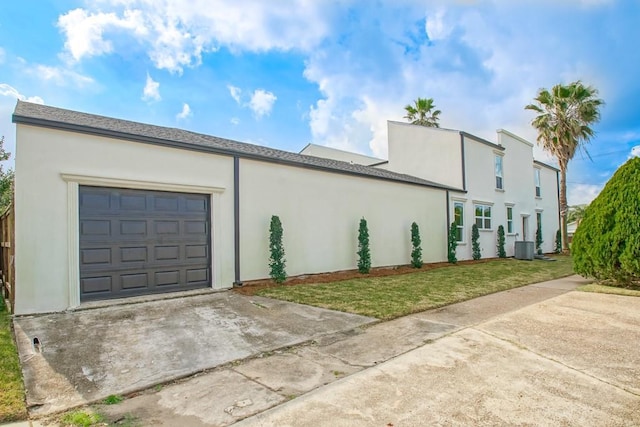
475, 244
276, 247
364, 254
539, 240
558, 241
416, 251
501, 241
606, 245
452, 243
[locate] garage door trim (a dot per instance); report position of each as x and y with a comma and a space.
73, 189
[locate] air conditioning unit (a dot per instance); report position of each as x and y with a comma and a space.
524, 250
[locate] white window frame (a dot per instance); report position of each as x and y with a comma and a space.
460, 237
499, 171
483, 217
536, 179
510, 229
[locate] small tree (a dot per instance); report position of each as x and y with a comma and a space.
276, 247
453, 243
501, 252
539, 240
6, 179
416, 251
364, 254
558, 241
475, 244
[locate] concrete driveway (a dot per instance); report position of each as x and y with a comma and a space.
572, 360
87, 355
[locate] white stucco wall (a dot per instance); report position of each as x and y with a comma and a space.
320, 213
518, 193
44, 234
428, 153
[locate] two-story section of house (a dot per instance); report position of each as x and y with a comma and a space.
502, 183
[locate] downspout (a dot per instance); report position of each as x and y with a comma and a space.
463, 163
448, 224
236, 219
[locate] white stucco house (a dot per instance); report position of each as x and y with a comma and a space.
501, 182
107, 208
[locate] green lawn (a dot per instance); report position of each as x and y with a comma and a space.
12, 403
394, 296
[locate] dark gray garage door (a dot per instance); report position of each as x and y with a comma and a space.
136, 242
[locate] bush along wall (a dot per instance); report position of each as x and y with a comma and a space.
606, 245
364, 254
539, 240
558, 248
276, 248
475, 244
452, 243
416, 251
501, 241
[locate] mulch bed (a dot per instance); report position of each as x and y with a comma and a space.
253, 286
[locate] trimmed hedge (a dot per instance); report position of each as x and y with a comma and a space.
606, 245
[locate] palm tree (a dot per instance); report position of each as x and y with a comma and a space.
563, 120
422, 113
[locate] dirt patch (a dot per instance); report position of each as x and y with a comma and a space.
253, 286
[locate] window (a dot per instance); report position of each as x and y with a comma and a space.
458, 218
538, 220
509, 220
499, 172
483, 217
537, 178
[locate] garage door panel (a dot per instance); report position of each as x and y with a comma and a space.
133, 202
165, 278
197, 275
95, 227
96, 256
96, 284
167, 253
167, 227
135, 254
136, 242
133, 228
131, 281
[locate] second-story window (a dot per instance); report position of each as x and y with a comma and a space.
536, 173
499, 172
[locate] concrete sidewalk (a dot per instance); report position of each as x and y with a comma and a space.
451, 336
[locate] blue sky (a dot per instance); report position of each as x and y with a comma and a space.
286, 73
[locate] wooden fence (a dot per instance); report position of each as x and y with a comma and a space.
7, 252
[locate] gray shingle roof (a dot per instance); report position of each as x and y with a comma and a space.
58, 118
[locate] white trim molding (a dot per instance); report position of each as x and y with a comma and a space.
73, 214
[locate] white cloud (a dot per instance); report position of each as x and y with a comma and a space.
186, 112
579, 194
635, 152
262, 102
60, 76
84, 30
151, 91
235, 121
436, 27
10, 91
176, 33
235, 92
